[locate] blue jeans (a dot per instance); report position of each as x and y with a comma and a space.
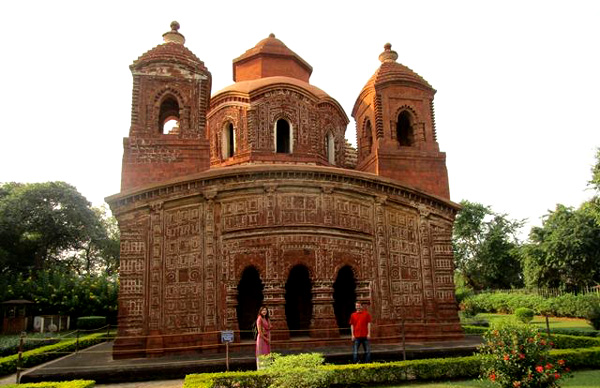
366, 346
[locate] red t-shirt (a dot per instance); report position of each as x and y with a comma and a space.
360, 323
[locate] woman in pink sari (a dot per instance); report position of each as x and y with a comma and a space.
263, 339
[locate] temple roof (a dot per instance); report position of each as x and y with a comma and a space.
392, 71
250, 86
270, 57
172, 50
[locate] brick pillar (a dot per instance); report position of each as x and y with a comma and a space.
323, 324
274, 294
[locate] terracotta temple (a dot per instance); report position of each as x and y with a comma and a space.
255, 197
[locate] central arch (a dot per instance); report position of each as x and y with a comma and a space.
344, 298
298, 301
250, 298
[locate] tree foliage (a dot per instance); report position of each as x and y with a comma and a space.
565, 251
486, 247
51, 224
65, 293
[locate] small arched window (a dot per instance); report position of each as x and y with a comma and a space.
168, 116
283, 137
404, 130
368, 139
228, 141
330, 147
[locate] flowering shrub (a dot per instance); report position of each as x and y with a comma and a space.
515, 355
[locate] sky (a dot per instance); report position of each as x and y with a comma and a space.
517, 104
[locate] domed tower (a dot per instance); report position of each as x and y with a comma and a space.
395, 128
273, 115
170, 84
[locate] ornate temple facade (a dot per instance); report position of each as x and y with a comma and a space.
255, 197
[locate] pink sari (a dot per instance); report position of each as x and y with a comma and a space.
262, 345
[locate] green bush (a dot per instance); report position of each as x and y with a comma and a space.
388, 373
46, 353
594, 316
524, 314
517, 355
567, 305
53, 384
297, 371
562, 341
90, 323
9, 344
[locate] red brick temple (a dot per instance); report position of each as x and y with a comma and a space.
255, 197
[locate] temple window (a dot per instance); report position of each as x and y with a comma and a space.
283, 143
228, 141
168, 117
368, 139
404, 130
330, 147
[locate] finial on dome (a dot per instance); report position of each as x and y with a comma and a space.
174, 36
271, 35
388, 55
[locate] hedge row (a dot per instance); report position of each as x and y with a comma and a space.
388, 373
10, 344
567, 305
53, 384
561, 341
38, 356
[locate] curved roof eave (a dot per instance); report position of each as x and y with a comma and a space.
220, 172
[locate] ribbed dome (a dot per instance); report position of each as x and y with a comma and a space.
270, 57
275, 47
172, 50
248, 87
391, 71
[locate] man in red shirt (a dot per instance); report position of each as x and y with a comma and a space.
360, 327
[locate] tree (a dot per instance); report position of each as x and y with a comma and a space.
486, 247
594, 203
41, 223
565, 251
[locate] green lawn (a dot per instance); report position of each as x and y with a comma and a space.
555, 323
581, 379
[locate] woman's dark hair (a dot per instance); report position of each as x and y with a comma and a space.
266, 316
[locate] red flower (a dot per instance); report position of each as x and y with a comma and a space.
539, 368
493, 377
561, 362
543, 342
516, 384
506, 357
567, 369
549, 366
521, 356
557, 376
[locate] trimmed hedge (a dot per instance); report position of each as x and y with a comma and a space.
10, 344
38, 356
90, 323
388, 373
567, 305
561, 341
53, 384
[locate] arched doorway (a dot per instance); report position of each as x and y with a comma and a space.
344, 298
250, 298
298, 301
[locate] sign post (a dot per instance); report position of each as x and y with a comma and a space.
226, 338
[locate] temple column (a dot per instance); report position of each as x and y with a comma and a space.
323, 323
